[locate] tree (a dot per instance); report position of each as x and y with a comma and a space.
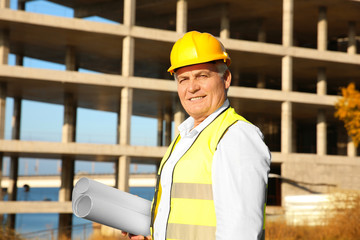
348, 111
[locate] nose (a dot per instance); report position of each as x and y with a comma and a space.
193, 86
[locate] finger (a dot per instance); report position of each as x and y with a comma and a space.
138, 237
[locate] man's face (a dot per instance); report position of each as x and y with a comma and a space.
201, 89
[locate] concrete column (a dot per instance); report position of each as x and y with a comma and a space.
4, 52
262, 32
67, 164
352, 38
287, 40
321, 86
224, 22
235, 76
322, 30
69, 126
179, 117
128, 56
14, 161
70, 59
261, 81
160, 130
321, 125
286, 74
167, 118
129, 12
321, 134
351, 148
181, 16
352, 49
21, 5
126, 98
125, 115
2, 131
4, 46
287, 21
125, 112
286, 127
4, 3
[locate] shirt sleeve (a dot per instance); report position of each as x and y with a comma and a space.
240, 169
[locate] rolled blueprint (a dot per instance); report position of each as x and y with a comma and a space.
96, 189
100, 203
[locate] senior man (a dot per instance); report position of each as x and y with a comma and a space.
212, 180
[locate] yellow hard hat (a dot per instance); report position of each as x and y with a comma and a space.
194, 48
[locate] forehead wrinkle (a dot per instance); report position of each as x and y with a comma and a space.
195, 73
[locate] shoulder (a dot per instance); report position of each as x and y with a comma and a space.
244, 138
244, 129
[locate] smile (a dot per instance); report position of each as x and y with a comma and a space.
195, 98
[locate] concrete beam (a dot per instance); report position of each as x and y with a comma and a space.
86, 151
54, 181
79, 26
12, 207
76, 78
116, 81
332, 160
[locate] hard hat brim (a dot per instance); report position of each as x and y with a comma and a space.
173, 68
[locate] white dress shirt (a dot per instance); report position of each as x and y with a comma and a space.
240, 170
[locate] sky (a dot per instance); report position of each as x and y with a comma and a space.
43, 121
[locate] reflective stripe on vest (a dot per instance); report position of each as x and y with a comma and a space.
192, 210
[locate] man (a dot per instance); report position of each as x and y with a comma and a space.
212, 180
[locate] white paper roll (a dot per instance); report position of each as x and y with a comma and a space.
93, 188
106, 205
104, 212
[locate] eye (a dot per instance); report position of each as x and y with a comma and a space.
203, 76
181, 80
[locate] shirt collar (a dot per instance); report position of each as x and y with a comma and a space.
187, 129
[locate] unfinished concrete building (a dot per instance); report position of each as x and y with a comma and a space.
289, 59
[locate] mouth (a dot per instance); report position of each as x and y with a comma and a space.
196, 98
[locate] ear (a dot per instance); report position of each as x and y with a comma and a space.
227, 79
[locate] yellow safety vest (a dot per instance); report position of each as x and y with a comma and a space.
192, 210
